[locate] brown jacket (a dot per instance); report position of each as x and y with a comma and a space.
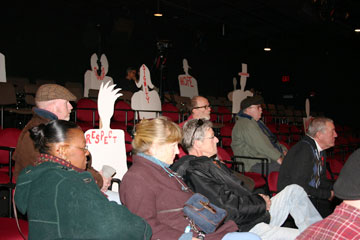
26, 154
146, 189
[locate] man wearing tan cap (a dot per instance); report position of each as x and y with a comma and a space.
52, 103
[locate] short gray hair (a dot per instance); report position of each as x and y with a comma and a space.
317, 124
194, 129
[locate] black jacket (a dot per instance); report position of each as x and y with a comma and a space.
297, 168
223, 189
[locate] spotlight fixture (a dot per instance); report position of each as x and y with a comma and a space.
267, 47
158, 13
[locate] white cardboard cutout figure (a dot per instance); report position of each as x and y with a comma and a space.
240, 94
2, 68
145, 99
93, 80
308, 118
106, 145
188, 84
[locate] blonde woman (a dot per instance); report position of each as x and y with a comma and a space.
150, 189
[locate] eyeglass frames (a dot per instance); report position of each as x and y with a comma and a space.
206, 107
85, 149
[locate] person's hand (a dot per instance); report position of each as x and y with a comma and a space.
267, 201
280, 160
332, 195
195, 238
106, 183
284, 153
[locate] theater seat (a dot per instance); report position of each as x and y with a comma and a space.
9, 230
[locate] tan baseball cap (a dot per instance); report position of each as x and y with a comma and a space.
49, 92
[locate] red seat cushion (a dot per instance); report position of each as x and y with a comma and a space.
258, 179
9, 230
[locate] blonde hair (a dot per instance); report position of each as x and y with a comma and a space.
160, 130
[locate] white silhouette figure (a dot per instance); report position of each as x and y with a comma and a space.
2, 68
145, 99
92, 79
106, 145
240, 94
187, 83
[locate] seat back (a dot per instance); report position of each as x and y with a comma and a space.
272, 182
86, 115
123, 112
8, 138
9, 229
170, 111
7, 94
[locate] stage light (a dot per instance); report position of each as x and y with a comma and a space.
158, 13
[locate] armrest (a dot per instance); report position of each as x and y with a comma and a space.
264, 163
233, 163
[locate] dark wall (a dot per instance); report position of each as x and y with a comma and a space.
57, 44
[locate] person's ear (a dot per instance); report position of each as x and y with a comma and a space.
61, 150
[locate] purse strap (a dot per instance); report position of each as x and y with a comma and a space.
16, 217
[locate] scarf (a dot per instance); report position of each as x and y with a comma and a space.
50, 158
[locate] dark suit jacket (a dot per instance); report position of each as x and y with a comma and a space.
297, 168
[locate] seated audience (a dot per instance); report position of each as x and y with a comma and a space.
251, 137
200, 108
344, 223
153, 191
305, 164
128, 83
61, 200
52, 103
256, 213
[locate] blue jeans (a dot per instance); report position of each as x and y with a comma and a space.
241, 236
291, 200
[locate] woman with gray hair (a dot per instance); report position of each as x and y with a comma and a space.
153, 191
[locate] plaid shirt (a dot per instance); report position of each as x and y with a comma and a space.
344, 223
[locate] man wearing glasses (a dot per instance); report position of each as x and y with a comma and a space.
256, 213
200, 108
251, 137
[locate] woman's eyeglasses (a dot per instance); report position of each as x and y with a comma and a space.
85, 149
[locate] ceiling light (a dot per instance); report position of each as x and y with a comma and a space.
357, 29
158, 13
267, 47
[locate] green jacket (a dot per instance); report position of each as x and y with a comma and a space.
249, 140
64, 204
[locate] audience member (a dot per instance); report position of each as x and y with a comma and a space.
52, 103
129, 82
199, 108
153, 191
344, 223
61, 200
256, 213
305, 164
251, 137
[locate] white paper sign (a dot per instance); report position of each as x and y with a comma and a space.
240, 94
187, 83
145, 99
92, 78
2, 68
107, 146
